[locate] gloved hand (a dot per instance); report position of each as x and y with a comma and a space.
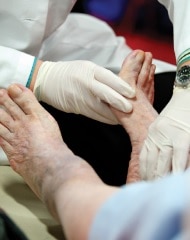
83, 87
167, 145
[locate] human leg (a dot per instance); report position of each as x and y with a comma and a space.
72, 190
129, 71
31, 139
138, 70
109, 144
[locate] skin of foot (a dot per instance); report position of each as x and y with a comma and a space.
28, 133
138, 70
64, 182
67, 184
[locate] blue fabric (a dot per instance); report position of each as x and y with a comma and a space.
110, 10
144, 211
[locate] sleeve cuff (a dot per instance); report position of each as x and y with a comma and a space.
15, 67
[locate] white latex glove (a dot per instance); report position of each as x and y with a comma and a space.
167, 145
83, 87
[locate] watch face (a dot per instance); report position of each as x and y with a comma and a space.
183, 76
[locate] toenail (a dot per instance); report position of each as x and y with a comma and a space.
15, 89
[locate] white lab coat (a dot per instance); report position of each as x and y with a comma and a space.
45, 29
179, 15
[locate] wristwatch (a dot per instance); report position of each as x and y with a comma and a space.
182, 79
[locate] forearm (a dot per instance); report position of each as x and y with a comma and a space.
76, 194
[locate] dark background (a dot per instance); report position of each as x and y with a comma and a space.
144, 23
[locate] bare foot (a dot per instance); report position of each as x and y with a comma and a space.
64, 182
24, 146
138, 70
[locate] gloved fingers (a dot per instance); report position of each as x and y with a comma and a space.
148, 156
110, 79
113, 98
101, 113
164, 163
180, 158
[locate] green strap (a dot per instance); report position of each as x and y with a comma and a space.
31, 73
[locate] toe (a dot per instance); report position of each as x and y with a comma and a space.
9, 105
132, 66
25, 99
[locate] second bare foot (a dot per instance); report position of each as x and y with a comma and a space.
138, 70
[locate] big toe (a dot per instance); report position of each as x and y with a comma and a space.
132, 66
24, 98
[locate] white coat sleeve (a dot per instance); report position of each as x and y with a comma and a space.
15, 67
179, 15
